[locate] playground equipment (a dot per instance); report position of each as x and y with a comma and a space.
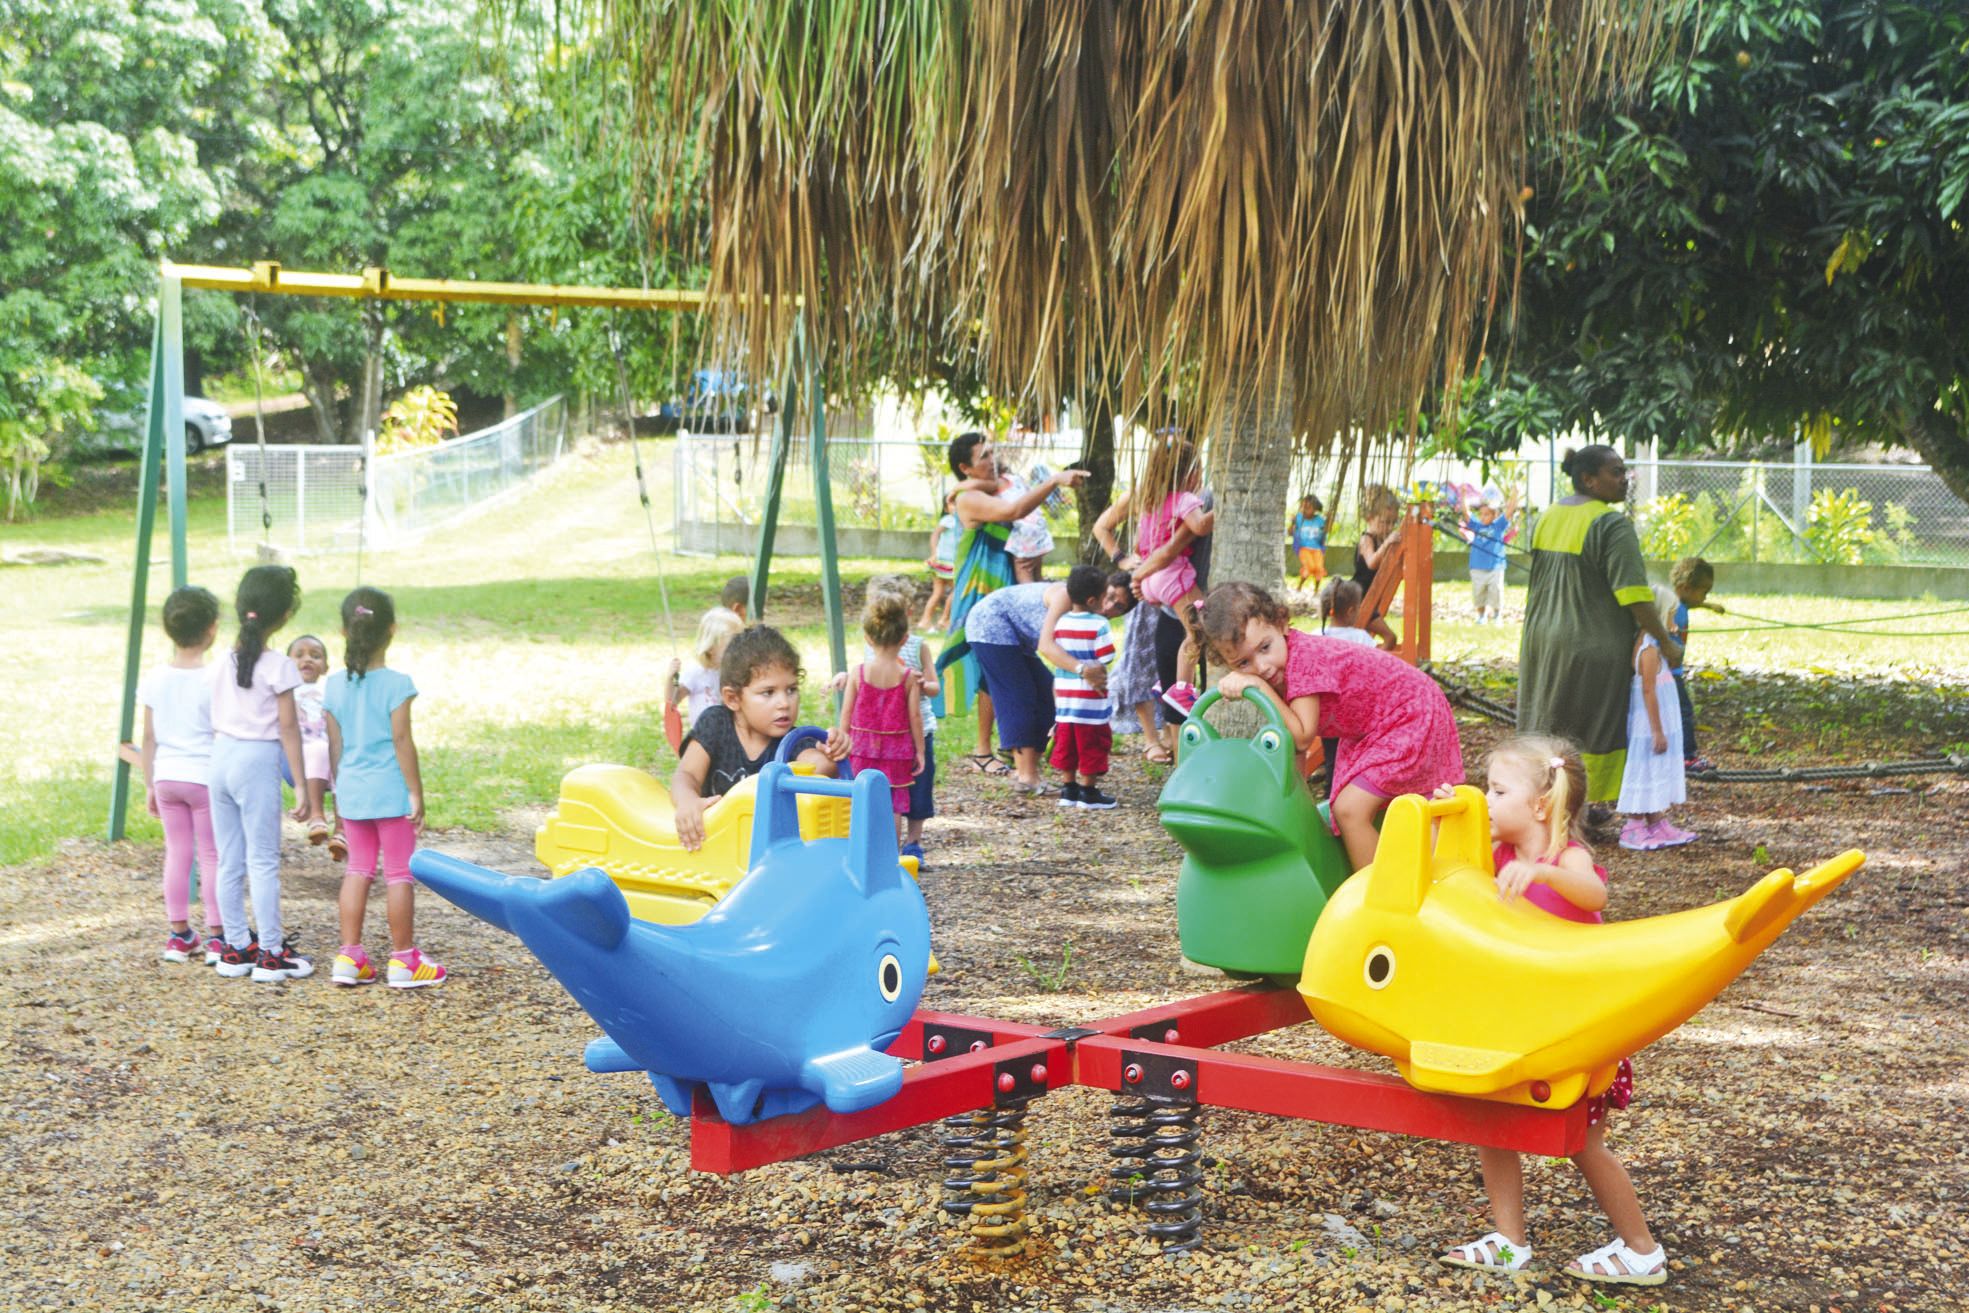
619, 820
783, 996
1252, 837
1418, 959
164, 440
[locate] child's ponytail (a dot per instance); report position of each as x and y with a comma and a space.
368, 615
267, 595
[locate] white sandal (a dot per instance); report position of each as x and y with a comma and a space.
1493, 1253
1635, 1269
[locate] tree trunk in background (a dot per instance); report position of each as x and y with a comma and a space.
319, 385
1248, 466
512, 362
1097, 454
1943, 445
369, 411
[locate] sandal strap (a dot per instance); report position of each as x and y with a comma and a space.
1474, 1252
1632, 1261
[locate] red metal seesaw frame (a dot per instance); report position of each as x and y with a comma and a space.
968, 1061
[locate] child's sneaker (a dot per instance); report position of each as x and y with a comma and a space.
913, 850
236, 962
1180, 696
1639, 836
1070, 794
1697, 765
180, 946
1093, 800
215, 944
352, 967
410, 969
284, 965
1667, 836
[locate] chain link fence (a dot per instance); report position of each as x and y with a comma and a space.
313, 498
877, 483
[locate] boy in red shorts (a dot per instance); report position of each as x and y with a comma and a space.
1082, 737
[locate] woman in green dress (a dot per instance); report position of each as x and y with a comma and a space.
1588, 599
984, 565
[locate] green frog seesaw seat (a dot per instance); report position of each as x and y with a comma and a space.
1260, 858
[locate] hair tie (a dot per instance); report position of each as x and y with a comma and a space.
252, 615
1558, 763
363, 610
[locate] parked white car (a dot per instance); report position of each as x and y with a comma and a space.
206, 425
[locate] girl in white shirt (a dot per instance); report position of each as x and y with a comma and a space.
254, 724
177, 700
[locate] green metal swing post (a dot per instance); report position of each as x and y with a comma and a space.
164, 453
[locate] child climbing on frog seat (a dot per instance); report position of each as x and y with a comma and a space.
1537, 801
759, 702
1395, 730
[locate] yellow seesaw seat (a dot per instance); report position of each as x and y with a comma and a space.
1418, 958
620, 819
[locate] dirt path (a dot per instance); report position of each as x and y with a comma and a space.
174, 1140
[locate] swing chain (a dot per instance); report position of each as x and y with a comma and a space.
259, 414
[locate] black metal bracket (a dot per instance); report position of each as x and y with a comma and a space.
1019, 1080
1158, 1032
940, 1041
1071, 1034
1159, 1077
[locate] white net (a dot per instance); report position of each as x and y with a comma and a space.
315, 495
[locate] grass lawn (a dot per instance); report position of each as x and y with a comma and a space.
536, 633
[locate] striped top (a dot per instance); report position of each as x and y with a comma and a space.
1084, 636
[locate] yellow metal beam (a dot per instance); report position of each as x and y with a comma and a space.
382, 285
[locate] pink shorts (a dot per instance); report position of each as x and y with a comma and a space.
314, 758
394, 837
1171, 583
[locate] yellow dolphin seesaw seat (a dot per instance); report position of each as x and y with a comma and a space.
1418, 958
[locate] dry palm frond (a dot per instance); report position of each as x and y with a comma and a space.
1191, 200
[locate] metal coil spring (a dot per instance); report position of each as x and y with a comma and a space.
1159, 1168
985, 1154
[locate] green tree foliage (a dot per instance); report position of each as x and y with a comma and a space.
1772, 242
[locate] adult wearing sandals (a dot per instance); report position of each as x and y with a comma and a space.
984, 566
1011, 637
1132, 685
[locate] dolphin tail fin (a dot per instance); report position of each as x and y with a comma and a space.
1780, 897
485, 894
852, 1079
676, 1094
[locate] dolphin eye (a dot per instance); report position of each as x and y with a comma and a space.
1380, 967
888, 978
1191, 734
1269, 740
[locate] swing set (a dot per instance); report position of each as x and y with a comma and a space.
164, 433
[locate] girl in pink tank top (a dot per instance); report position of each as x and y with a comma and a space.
882, 713
1537, 797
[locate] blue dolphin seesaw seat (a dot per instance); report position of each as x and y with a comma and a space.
782, 996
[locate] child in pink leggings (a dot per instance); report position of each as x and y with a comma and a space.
379, 794
177, 751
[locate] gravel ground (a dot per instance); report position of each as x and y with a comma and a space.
177, 1141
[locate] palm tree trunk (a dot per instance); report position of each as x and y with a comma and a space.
1249, 468
1096, 493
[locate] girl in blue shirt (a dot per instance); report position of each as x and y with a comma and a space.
379, 793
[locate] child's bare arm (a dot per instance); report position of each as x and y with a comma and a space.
150, 763
931, 684
406, 749
334, 730
847, 705
687, 798
1572, 877
1650, 666
290, 744
916, 721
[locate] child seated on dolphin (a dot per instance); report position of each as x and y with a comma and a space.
1537, 798
759, 701
1395, 730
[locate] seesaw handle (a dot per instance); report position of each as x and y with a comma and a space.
797, 741
819, 785
1251, 695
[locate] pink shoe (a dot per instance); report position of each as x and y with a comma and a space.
410, 969
1639, 836
1667, 836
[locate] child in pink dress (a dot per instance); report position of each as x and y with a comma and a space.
1537, 798
882, 713
1395, 729
1166, 576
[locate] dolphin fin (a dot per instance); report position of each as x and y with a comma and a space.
676, 1094
1460, 1067
588, 904
1780, 897
737, 1100
485, 894
852, 1079
605, 1054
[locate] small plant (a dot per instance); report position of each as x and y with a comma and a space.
1839, 526
1603, 1300
756, 1300
1761, 855
1668, 526
1050, 981
421, 417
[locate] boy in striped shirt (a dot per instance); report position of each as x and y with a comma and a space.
1082, 737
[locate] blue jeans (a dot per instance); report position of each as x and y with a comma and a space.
1688, 716
245, 787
